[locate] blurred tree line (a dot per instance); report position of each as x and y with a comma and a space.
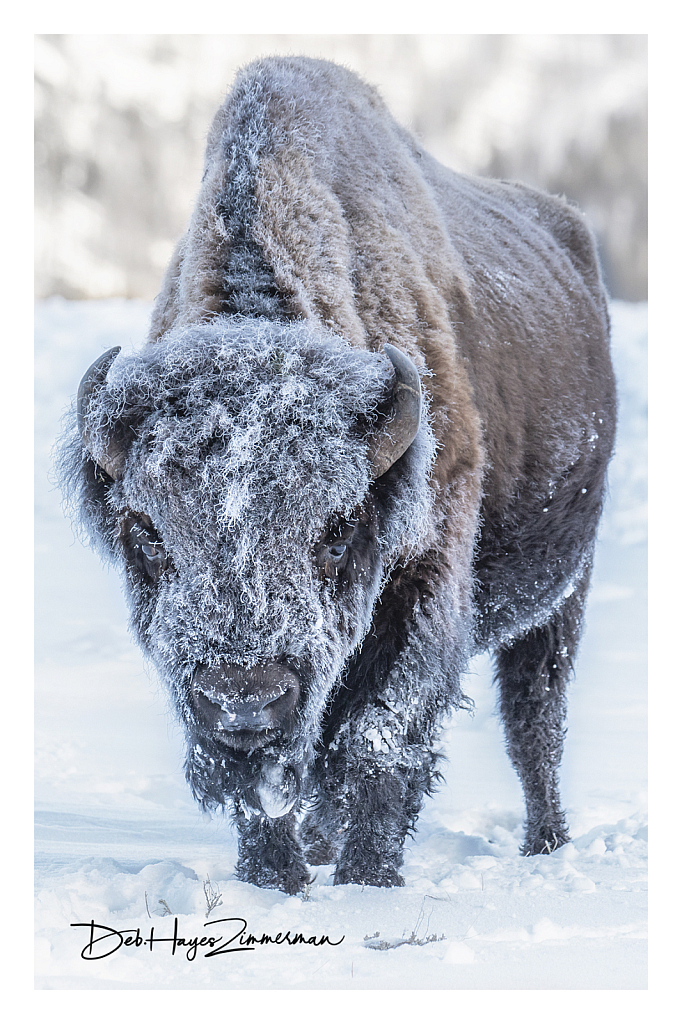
121, 122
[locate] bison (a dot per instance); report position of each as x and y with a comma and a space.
367, 439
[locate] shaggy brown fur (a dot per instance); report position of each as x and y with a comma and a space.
365, 233
317, 208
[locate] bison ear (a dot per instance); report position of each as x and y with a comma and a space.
399, 428
112, 460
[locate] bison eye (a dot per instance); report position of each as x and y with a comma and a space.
147, 550
332, 554
155, 560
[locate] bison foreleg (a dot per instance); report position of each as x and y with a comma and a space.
381, 802
269, 853
380, 759
533, 673
373, 806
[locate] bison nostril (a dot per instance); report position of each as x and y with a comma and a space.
272, 703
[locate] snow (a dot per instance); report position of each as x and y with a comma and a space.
120, 842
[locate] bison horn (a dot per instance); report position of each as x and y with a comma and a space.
401, 424
113, 458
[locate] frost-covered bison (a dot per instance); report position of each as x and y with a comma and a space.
367, 439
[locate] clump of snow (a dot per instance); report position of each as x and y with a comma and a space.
120, 842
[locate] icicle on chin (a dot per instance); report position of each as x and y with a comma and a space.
277, 790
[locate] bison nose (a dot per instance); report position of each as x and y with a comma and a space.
230, 698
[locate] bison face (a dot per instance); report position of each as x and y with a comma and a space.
256, 480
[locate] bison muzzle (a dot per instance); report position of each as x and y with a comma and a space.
368, 438
230, 701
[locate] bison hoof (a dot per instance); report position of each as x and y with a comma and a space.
291, 882
545, 840
385, 876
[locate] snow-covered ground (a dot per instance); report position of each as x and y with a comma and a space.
120, 842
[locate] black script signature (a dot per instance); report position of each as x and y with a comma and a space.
105, 941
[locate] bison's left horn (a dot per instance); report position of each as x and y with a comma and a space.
113, 458
401, 424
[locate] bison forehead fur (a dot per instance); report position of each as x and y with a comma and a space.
312, 551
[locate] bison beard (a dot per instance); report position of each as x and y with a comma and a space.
314, 543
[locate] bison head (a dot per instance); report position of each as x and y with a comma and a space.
257, 480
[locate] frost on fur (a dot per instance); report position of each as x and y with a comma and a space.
368, 438
246, 441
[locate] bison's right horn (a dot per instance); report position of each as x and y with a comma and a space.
400, 426
113, 458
